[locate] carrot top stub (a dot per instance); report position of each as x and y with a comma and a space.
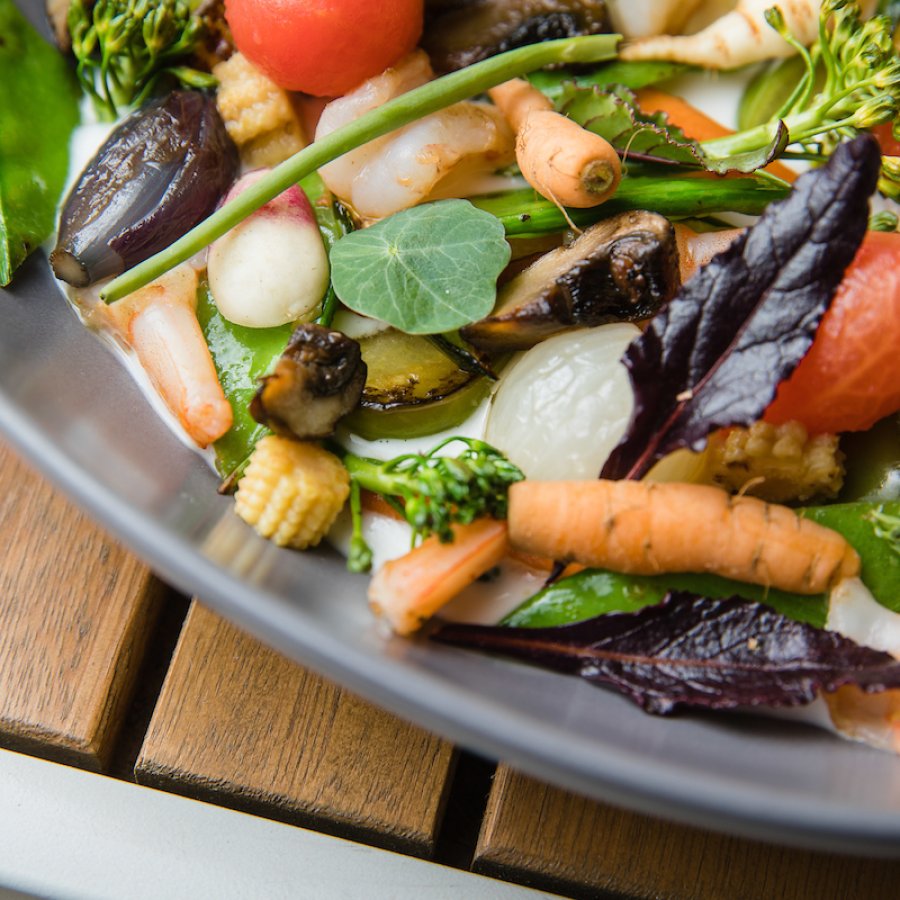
645, 528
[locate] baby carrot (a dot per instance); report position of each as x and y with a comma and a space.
644, 528
561, 160
406, 591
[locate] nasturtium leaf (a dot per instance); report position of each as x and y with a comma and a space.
714, 356
426, 270
694, 652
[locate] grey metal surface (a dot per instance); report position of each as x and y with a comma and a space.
70, 408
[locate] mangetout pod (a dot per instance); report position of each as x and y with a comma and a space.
159, 173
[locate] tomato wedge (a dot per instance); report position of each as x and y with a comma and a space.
324, 47
851, 376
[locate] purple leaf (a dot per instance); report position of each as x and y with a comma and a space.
714, 356
690, 651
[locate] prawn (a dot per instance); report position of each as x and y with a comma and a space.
435, 157
159, 323
406, 591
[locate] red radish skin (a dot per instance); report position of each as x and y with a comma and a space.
272, 268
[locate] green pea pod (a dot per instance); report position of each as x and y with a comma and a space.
873, 462
768, 91
634, 75
241, 356
880, 557
38, 111
595, 592
524, 214
334, 223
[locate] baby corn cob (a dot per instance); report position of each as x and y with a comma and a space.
258, 114
292, 491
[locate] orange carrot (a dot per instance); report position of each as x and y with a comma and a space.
558, 158
644, 528
406, 591
696, 124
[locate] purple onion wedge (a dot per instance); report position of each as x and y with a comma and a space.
161, 172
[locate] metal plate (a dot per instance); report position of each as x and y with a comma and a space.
68, 405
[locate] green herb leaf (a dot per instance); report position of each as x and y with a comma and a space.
241, 356
615, 114
38, 110
425, 270
868, 529
597, 592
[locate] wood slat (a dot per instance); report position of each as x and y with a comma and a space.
545, 836
240, 725
75, 613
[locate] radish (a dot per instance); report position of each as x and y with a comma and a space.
271, 268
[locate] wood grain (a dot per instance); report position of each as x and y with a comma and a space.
75, 612
240, 725
544, 836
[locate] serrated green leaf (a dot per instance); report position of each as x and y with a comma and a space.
614, 114
426, 270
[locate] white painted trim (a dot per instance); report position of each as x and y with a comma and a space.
67, 834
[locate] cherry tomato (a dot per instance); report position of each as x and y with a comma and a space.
851, 376
324, 47
890, 146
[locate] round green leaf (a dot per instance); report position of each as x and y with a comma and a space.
425, 270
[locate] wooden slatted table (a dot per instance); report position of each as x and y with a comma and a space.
90, 675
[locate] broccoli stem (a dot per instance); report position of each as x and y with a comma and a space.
372, 475
409, 107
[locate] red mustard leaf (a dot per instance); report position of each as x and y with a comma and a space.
691, 651
714, 356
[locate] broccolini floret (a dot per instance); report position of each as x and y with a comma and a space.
851, 83
123, 48
432, 492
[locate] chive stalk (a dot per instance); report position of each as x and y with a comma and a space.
396, 113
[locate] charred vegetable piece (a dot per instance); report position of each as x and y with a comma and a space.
161, 172
622, 269
462, 34
318, 380
413, 388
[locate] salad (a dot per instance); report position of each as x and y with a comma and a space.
415, 287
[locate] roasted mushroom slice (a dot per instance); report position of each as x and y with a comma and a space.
318, 380
457, 35
619, 270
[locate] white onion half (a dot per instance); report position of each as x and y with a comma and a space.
563, 405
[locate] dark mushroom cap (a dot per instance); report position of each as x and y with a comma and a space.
318, 380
